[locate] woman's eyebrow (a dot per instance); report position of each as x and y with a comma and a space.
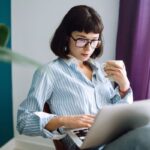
82, 36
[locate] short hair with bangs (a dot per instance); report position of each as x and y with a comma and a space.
79, 18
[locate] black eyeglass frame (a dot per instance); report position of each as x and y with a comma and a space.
88, 41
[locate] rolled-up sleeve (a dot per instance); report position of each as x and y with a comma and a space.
31, 119
117, 99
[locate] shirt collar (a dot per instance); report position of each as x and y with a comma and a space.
72, 61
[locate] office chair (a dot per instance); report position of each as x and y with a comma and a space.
58, 144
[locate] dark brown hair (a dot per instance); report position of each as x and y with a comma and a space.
79, 18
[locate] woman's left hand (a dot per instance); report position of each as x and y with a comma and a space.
117, 72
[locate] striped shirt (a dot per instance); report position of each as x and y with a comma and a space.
68, 92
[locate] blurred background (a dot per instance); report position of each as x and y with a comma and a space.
32, 24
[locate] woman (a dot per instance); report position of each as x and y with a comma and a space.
73, 85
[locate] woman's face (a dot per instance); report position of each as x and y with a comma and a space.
82, 45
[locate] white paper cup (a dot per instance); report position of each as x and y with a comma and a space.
119, 63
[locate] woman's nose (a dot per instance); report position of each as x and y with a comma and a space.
88, 46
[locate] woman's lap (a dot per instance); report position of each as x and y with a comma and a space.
138, 139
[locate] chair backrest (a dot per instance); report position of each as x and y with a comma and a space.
58, 144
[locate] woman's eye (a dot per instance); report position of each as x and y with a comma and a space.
82, 40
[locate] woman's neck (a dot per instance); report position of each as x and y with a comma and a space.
77, 61
84, 67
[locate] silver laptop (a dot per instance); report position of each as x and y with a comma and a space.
111, 122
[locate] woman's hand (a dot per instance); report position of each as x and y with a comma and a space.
117, 71
77, 121
74, 121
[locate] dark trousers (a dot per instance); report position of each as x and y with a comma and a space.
137, 139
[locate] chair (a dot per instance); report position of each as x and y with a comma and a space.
58, 144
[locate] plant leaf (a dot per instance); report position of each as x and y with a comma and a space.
7, 55
4, 34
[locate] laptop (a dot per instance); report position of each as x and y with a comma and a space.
111, 122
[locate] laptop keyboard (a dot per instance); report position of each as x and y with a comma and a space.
81, 133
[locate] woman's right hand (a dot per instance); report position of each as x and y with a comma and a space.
74, 121
77, 121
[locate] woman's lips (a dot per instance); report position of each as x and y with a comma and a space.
85, 55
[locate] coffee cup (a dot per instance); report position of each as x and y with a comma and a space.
113, 63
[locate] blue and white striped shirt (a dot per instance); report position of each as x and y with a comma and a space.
68, 92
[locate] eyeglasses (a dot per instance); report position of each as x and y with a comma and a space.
81, 42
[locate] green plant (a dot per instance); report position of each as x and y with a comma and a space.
7, 55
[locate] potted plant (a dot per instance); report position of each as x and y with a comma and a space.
7, 55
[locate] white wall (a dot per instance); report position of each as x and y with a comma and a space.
33, 23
